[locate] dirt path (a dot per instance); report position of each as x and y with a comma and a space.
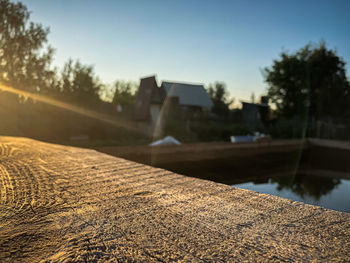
61, 204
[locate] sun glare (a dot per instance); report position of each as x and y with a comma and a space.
73, 108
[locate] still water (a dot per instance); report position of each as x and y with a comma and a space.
327, 192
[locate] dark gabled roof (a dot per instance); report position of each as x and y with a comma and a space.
188, 94
144, 97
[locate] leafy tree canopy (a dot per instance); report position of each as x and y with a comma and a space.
24, 63
79, 83
220, 97
124, 93
310, 83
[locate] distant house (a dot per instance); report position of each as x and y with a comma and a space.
190, 95
256, 114
151, 99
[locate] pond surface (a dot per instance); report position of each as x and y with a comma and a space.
313, 174
327, 192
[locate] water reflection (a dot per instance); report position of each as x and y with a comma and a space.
307, 185
328, 192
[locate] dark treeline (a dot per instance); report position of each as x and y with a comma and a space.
308, 93
311, 93
26, 63
308, 90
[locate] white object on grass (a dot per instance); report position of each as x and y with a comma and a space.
249, 138
244, 138
168, 140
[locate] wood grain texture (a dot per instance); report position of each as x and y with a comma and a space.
63, 204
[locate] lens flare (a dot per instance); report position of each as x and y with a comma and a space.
113, 120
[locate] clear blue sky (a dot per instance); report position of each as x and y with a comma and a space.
192, 41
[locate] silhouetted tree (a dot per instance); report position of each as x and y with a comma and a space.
78, 83
309, 84
124, 93
220, 97
24, 58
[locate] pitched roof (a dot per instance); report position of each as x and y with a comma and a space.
189, 94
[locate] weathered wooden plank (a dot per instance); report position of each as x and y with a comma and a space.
61, 204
